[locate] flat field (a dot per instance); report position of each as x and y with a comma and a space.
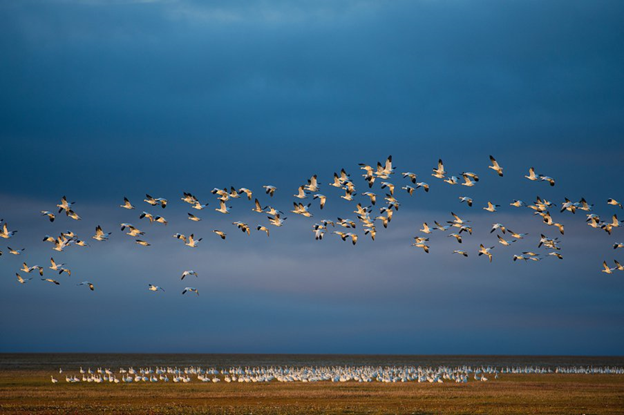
30, 391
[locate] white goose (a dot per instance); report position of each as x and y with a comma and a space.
220, 233
532, 176
491, 207
270, 190
496, 167
411, 175
257, 207
49, 214
223, 208
301, 194
248, 192
372, 196
614, 203
89, 284
22, 280
322, 199
191, 289
187, 273
127, 204
192, 242
606, 269
439, 172
485, 251
100, 235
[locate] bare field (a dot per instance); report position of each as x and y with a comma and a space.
32, 392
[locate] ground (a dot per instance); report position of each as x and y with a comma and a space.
33, 392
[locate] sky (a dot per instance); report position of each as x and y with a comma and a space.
106, 99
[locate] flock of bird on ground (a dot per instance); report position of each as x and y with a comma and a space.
305, 374
365, 216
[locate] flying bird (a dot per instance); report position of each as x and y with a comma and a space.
100, 235
490, 207
270, 190
22, 280
486, 251
246, 191
152, 287
192, 242
187, 273
496, 167
191, 289
439, 172
127, 204
322, 199
89, 284
193, 217
220, 233
49, 214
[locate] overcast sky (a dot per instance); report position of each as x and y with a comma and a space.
106, 99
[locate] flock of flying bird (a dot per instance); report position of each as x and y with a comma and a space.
382, 173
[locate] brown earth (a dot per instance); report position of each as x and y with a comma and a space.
33, 392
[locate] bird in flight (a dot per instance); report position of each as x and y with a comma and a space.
88, 284
496, 167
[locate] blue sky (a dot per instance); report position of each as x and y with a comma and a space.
103, 100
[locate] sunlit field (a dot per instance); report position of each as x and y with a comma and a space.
26, 386
32, 392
